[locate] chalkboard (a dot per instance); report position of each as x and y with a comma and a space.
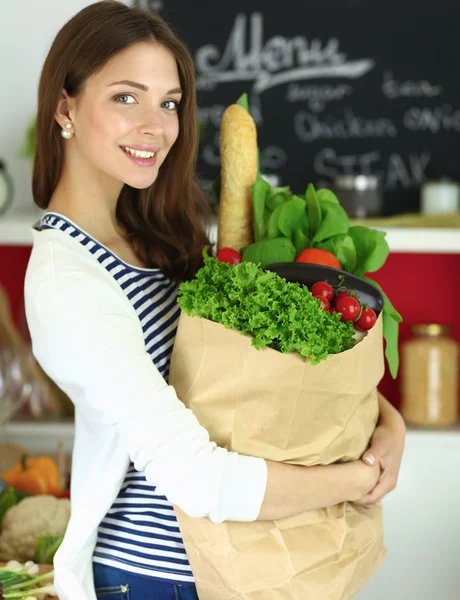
335, 86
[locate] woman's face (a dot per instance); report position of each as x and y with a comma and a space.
125, 120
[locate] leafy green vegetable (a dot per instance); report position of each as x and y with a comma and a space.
326, 196
300, 241
371, 249
391, 320
334, 222
313, 211
277, 314
260, 194
282, 230
343, 247
9, 498
273, 227
46, 547
268, 252
277, 197
293, 217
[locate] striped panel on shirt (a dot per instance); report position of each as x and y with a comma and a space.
140, 533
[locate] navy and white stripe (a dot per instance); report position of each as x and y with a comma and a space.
140, 532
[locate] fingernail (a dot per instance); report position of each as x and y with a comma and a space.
370, 459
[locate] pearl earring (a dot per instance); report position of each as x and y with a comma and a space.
67, 134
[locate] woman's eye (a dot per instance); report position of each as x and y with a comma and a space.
125, 99
171, 104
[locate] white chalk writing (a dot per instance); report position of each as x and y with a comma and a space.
393, 89
277, 61
398, 171
433, 120
317, 96
309, 127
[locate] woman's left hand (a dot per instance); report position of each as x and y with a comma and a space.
387, 447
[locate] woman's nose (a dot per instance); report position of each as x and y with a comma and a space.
152, 123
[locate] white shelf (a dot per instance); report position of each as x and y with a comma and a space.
410, 240
39, 436
15, 230
422, 241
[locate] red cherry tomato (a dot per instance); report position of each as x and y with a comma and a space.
325, 305
367, 320
230, 256
348, 307
321, 288
342, 294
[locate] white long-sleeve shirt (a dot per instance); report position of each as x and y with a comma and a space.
88, 339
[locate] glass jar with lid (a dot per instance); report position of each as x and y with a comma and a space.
429, 377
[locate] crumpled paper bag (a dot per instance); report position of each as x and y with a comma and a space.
278, 406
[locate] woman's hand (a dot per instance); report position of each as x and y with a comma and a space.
386, 449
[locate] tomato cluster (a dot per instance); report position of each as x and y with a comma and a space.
346, 303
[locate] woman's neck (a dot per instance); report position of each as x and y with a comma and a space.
91, 207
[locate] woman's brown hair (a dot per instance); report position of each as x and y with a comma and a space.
165, 221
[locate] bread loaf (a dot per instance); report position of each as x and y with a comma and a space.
238, 154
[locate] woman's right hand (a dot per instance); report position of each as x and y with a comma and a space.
362, 482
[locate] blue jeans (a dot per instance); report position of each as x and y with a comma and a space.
115, 584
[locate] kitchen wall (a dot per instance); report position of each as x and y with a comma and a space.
27, 28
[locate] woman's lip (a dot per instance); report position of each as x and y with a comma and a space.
144, 147
143, 162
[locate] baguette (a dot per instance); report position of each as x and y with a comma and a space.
238, 154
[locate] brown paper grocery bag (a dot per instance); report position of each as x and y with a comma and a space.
278, 406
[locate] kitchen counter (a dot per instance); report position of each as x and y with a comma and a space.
421, 522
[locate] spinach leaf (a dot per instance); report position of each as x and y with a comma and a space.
293, 217
300, 241
313, 211
335, 221
343, 248
391, 334
273, 229
275, 200
326, 196
267, 252
371, 249
387, 305
391, 320
260, 193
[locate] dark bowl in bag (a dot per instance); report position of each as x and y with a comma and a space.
308, 274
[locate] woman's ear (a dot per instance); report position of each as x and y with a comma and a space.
63, 110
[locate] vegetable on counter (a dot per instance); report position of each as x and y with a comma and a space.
25, 523
38, 475
9, 497
46, 547
24, 582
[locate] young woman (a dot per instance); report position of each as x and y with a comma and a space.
114, 167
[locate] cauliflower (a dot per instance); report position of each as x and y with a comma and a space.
30, 519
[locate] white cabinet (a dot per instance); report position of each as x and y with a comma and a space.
422, 524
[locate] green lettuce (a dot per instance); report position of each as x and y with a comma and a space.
276, 313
